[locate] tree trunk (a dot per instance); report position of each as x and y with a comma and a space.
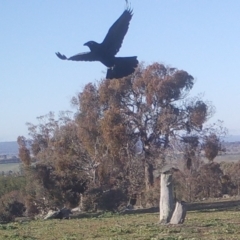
179, 213
166, 197
148, 176
81, 201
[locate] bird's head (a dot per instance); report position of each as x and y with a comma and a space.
91, 44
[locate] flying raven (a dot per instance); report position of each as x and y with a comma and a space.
105, 52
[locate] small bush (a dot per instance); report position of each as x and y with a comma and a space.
91, 199
112, 200
11, 183
11, 206
152, 198
97, 199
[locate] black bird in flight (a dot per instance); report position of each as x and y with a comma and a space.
105, 52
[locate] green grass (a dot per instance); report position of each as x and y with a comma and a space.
198, 225
10, 167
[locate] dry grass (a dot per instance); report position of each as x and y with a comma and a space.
198, 225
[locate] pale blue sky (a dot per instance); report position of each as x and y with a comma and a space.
199, 36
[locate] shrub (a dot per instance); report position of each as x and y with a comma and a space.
11, 183
11, 206
91, 199
110, 200
152, 196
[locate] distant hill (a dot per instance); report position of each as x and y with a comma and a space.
11, 148
232, 138
8, 148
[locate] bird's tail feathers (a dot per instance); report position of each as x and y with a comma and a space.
123, 67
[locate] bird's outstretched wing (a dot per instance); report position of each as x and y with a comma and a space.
87, 56
114, 38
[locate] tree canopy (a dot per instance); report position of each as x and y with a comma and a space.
123, 130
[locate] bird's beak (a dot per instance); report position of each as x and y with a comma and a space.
85, 44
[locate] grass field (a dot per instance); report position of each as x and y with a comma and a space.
10, 167
221, 158
198, 225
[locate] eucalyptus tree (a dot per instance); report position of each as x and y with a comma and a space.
145, 118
